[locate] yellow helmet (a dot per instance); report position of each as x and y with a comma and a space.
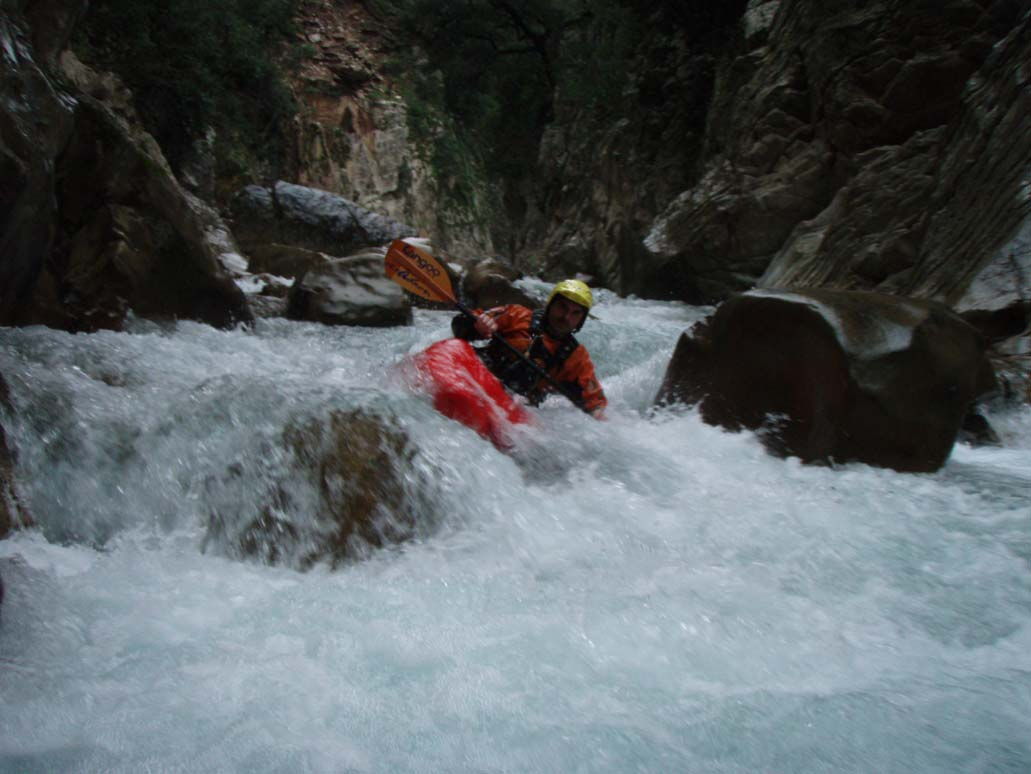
575, 290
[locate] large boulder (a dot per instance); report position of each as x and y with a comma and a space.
306, 217
349, 486
489, 283
136, 240
281, 260
349, 291
834, 375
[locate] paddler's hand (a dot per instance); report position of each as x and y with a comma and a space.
486, 326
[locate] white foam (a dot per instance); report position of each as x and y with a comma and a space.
647, 593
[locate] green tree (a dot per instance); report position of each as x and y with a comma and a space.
194, 64
484, 82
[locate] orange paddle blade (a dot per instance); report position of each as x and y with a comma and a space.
418, 272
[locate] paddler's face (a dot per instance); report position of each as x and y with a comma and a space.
564, 316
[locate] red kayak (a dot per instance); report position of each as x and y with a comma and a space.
463, 389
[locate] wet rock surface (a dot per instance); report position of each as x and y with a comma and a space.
349, 291
490, 283
349, 487
834, 376
93, 223
304, 217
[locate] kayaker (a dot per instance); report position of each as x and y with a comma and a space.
546, 335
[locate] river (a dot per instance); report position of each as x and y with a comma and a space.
646, 594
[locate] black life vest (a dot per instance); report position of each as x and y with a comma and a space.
519, 376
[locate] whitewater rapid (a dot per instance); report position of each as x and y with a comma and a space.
646, 594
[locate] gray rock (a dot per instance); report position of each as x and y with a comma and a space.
489, 283
925, 217
308, 218
284, 260
1004, 281
348, 487
349, 291
876, 146
834, 375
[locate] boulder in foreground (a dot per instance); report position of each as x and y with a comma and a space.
337, 489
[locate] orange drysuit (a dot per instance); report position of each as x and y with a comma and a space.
566, 361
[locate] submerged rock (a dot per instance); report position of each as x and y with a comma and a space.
976, 430
834, 375
1008, 330
348, 486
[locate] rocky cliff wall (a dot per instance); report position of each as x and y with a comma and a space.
353, 133
93, 223
880, 146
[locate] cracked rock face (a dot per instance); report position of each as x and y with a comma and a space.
878, 147
29, 103
927, 216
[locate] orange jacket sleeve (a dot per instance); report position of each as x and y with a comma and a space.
579, 370
514, 324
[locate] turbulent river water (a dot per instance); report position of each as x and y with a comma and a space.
646, 594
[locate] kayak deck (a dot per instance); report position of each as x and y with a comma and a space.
464, 390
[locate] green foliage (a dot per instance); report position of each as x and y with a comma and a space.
480, 73
596, 58
300, 52
499, 67
705, 23
193, 64
482, 84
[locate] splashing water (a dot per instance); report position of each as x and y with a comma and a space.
643, 594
